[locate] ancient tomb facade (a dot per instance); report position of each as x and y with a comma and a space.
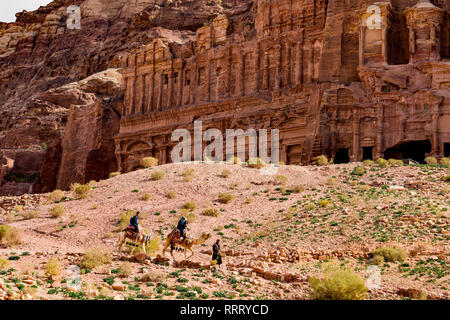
322, 72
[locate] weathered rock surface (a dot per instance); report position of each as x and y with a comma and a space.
54, 128
326, 75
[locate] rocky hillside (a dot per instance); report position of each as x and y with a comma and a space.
39, 56
276, 232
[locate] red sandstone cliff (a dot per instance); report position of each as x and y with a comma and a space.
46, 122
311, 68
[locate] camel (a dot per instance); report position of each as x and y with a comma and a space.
141, 240
186, 244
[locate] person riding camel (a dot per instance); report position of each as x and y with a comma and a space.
134, 223
182, 225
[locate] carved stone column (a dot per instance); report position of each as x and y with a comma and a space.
424, 24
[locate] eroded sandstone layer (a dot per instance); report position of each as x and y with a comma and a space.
340, 78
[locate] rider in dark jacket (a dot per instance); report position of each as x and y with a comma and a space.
182, 225
134, 222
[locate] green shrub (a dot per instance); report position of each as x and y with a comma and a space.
322, 160
95, 257
57, 211
257, 163
391, 254
157, 175
338, 284
114, 174
431, 161
447, 178
211, 213
225, 197
148, 162
55, 196
368, 163
359, 171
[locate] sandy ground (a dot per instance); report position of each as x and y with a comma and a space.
399, 206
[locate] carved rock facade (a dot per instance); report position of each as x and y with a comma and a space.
340, 78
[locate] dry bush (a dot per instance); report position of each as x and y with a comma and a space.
30, 214
338, 284
146, 196
154, 246
248, 200
226, 173
324, 203
10, 217
125, 269
52, 267
95, 257
322, 160
297, 188
18, 209
55, 196
57, 211
368, 163
391, 254
4, 263
382, 163
331, 181
431, 161
171, 194
81, 191
264, 231
235, 160
157, 175
447, 178
154, 276
280, 180
257, 163
395, 163
211, 212
148, 162
124, 219
190, 216
225, 198
445, 162
188, 174
190, 205
114, 174
358, 171
9, 236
